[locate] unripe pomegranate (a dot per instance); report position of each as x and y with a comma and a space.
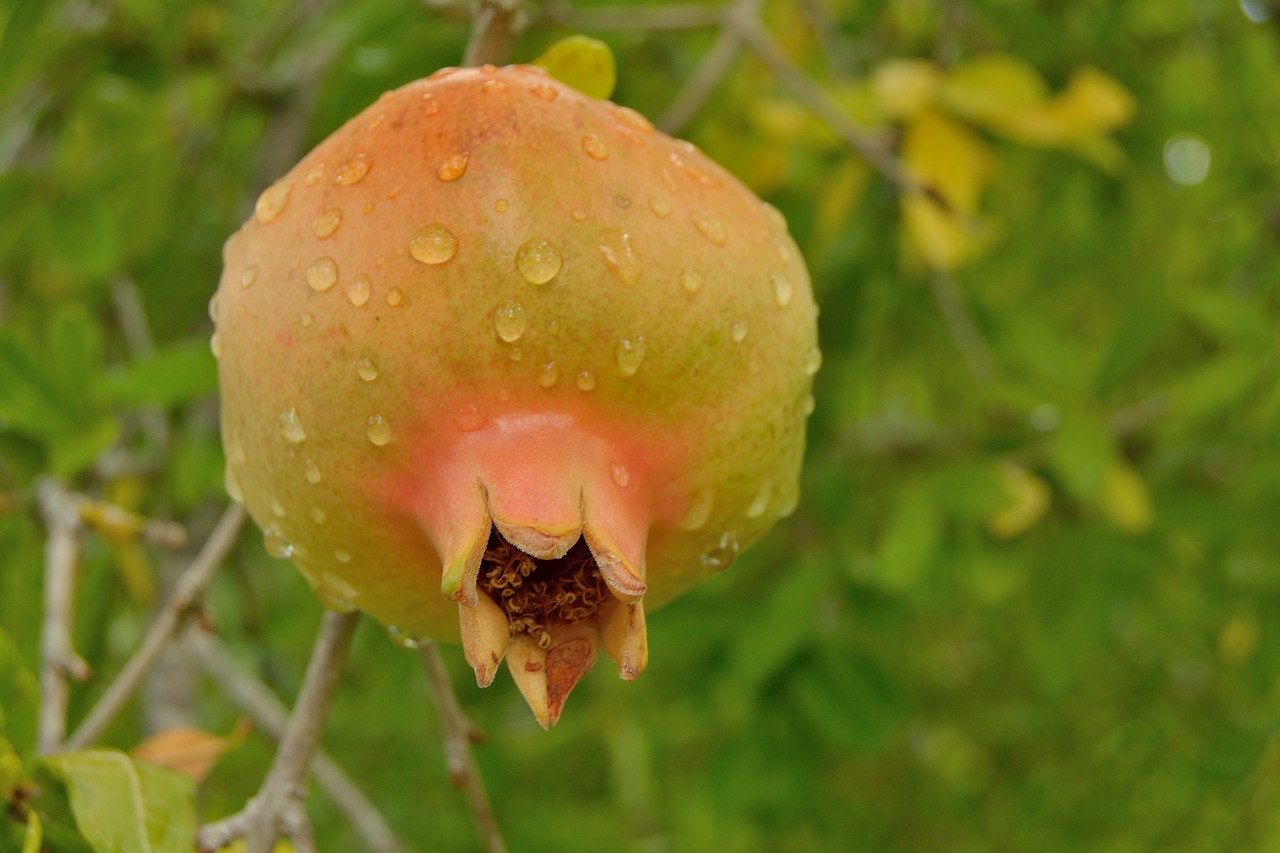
498, 358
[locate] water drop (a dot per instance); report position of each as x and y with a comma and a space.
711, 228
594, 148
275, 543
622, 201
322, 274
620, 474
232, 484
326, 223
660, 206
632, 119
760, 502
318, 515
312, 472
782, 288
812, 361
213, 308
784, 251
538, 261
433, 244
368, 207
550, 373
774, 216
516, 353
738, 331
367, 369
619, 258
509, 321
699, 510
272, 202
402, 639
492, 86
378, 430
276, 508
808, 405
669, 181
470, 417
306, 319
433, 107
691, 280
248, 276
722, 554
291, 427
545, 92
334, 592
358, 290
215, 345
237, 449
691, 170
354, 170
395, 296
341, 556
586, 380
578, 214
454, 167
630, 353
314, 176
501, 205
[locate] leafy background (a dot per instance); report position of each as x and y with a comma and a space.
1024, 602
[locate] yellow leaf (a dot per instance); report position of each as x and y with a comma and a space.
1092, 104
992, 86
904, 87
584, 63
189, 751
1238, 639
1029, 501
1124, 499
953, 163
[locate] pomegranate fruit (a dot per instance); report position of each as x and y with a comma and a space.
498, 359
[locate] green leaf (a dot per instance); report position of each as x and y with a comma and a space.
30, 398
909, 541
125, 806
584, 63
19, 698
1081, 454
11, 775
169, 377
75, 347
851, 701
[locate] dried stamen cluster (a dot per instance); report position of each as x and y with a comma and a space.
537, 593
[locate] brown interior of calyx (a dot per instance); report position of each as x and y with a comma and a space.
536, 594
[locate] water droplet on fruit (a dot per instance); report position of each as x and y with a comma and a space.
215, 345
760, 502
578, 214
341, 556
509, 321
501, 205
367, 370
586, 380
276, 509
395, 296
691, 280
248, 275
237, 449
622, 201
812, 361
782, 289
306, 319
312, 472
326, 223
492, 86
470, 417
738, 331
620, 474
722, 554
378, 430
232, 484
550, 373
774, 216
453, 168
213, 308
594, 148
333, 591
314, 176
660, 206
630, 353
538, 261
291, 427
433, 244
272, 202
358, 290
516, 353
318, 515
354, 170
689, 169
711, 228
275, 543
322, 274
808, 405
402, 639
699, 510
784, 251
632, 119
545, 92
615, 249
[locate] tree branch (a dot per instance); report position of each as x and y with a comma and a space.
494, 25
184, 601
57, 651
279, 806
459, 734
673, 17
965, 333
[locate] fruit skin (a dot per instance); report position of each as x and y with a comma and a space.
657, 390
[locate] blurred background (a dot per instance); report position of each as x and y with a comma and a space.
1028, 599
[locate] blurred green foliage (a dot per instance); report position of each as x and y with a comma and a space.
1019, 610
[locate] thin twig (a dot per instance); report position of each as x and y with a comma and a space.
493, 27
711, 70
674, 17
962, 327
57, 651
279, 807
459, 734
184, 601
270, 715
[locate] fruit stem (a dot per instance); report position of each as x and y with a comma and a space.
494, 25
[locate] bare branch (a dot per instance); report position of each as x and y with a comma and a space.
177, 610
494, 25
271, 716
712, 69
459, 734
279, 807
57, 651
960, 323
673, 17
